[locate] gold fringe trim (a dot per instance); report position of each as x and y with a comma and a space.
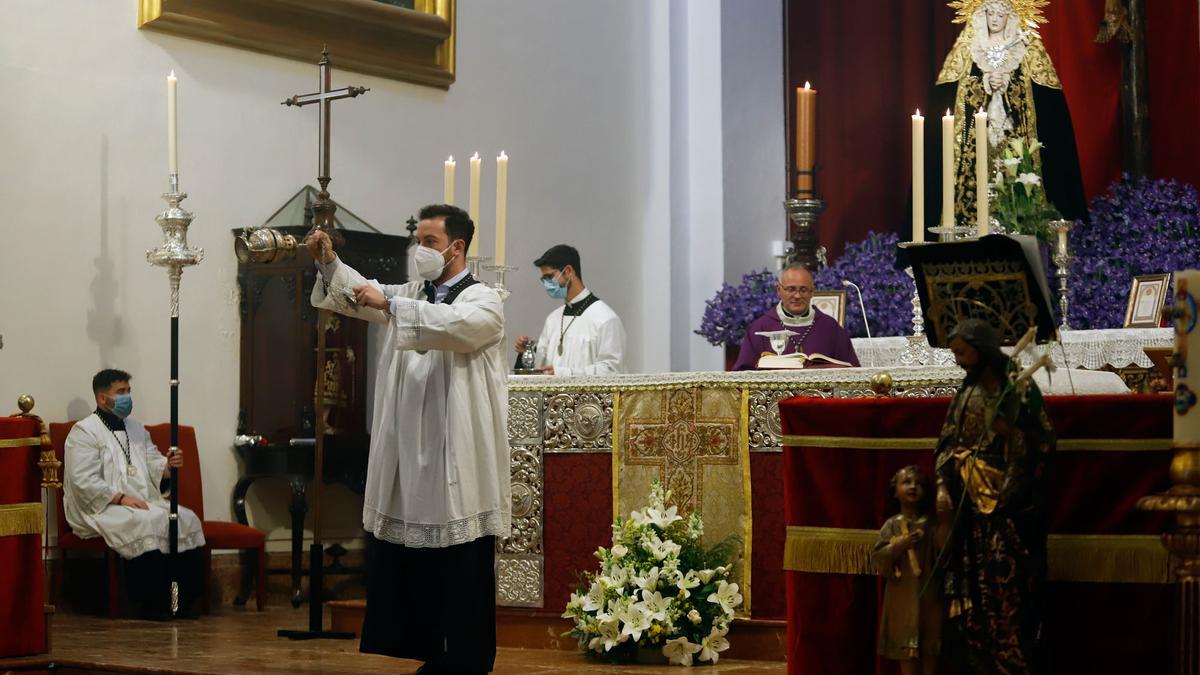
23, 518
1114, 444
1109, 558
1089, 558
20, 442
829, 549
930, 443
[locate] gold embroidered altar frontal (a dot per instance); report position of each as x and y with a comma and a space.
692, 440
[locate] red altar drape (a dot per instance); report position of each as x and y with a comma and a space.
1090, 628
874, 63
22, 612
579, 513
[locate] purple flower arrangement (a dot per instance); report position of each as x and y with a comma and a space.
1140, 226
870, 263
734, 307
886, 291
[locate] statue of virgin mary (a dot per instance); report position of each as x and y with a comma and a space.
998, 64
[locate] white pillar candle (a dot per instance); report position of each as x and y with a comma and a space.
981, 172
501, 205
918, 178
172, 135
473, 204
448, 182
948, 170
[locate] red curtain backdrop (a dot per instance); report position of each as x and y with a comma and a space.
874, 63
1173, 43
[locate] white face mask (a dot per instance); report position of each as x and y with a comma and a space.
429, 262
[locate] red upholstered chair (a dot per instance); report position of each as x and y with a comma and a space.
67, 541
220, 535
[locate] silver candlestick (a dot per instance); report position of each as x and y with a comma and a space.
475, 262
500, 271
174, 255
1062, 264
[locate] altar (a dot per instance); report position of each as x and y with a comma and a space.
567, 435
1120, 350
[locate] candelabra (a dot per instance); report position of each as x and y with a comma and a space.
1062, 264
477, 262
501, 271
174, 255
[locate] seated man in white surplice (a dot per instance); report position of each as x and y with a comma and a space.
112, 488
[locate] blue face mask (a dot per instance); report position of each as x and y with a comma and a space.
122, 405
554, 289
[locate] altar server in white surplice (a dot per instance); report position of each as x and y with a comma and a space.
113, 482
582, 337
438, 493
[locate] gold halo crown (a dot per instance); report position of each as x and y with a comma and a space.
1030, 11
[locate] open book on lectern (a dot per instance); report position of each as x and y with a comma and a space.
998, 278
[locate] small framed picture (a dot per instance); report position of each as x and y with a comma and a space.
1146, 299
832, 303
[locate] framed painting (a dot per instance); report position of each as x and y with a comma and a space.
409, 40
1147, 296
832, 303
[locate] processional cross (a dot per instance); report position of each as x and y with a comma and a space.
323, 208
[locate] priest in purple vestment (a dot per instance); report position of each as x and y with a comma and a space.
815, 331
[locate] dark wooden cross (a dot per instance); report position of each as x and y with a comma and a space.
323, 208
1125, 21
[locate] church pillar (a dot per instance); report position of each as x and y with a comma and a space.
697, 190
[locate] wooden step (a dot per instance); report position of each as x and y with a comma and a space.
750, 639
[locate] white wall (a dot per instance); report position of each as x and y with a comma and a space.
752, 110
612, 137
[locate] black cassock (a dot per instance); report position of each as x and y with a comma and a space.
436, 605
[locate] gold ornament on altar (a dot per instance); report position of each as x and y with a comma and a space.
881, 383
47, 462
1030, 11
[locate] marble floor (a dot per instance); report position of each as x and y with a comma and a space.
244, 641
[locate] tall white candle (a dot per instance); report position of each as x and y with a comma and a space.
448, 182
918, 178
172, 136
981, 172
473, 203
948, 170
501, 205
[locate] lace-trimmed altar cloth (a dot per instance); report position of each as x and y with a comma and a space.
1090, 349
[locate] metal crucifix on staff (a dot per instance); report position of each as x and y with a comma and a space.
325, 96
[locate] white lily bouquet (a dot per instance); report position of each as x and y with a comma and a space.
1020, 203
657, 589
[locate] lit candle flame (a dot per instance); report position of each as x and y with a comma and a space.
807, 85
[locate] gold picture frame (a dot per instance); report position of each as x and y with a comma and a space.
1147, 295
832, 303
364, 36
